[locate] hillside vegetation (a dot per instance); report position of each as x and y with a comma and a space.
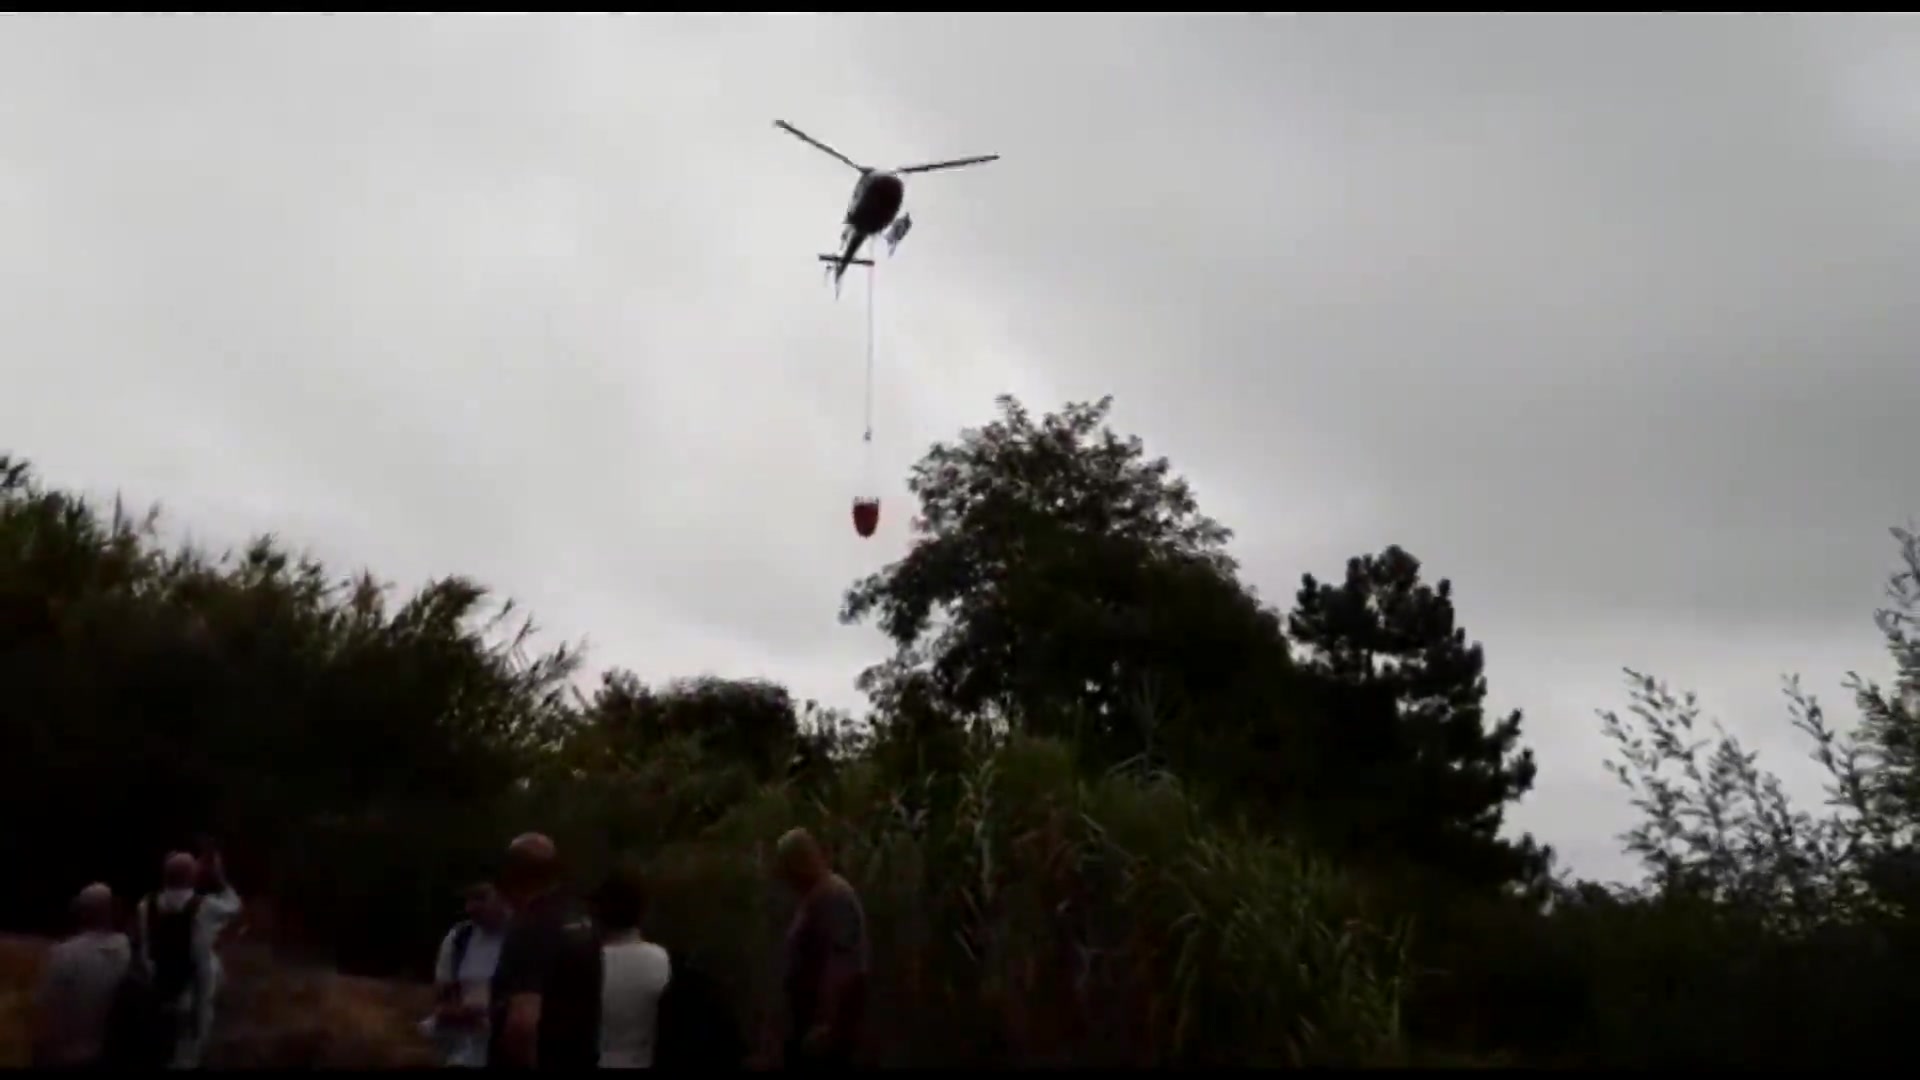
1106, 805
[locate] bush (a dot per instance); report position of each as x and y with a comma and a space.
1039, 918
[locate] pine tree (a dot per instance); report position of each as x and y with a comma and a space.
1409, 743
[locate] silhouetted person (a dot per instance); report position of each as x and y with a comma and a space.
175, 929
75, 999
545, 999
826, 959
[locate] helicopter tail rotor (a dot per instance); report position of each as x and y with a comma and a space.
837, 269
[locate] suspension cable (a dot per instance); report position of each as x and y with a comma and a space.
872, 272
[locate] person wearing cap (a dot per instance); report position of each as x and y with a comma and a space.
74, 1000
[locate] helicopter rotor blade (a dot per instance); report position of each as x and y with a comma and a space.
954, 164
818, 145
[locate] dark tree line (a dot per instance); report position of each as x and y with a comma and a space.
363, 755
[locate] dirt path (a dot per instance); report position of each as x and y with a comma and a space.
271, 1014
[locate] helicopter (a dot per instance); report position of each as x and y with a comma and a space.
874, 209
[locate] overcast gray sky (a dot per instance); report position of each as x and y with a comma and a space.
1609, 319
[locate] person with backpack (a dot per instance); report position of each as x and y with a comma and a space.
74, 1003
175, 929
462, 976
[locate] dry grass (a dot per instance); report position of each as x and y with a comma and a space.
19, 968
272, 1015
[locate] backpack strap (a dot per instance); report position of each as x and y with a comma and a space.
143, 926
462, 937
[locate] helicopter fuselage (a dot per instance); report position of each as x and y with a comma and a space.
876, 201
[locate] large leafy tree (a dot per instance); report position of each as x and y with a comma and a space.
1408, 750
1064, 582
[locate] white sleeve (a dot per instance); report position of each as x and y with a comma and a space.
216, 911
443, 965
219, 908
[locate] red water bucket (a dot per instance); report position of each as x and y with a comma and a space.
866, 516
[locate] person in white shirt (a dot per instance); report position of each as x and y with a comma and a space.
634, 974
462, 976
176, 929
77, 988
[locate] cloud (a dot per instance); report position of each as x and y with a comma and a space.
1603, 317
